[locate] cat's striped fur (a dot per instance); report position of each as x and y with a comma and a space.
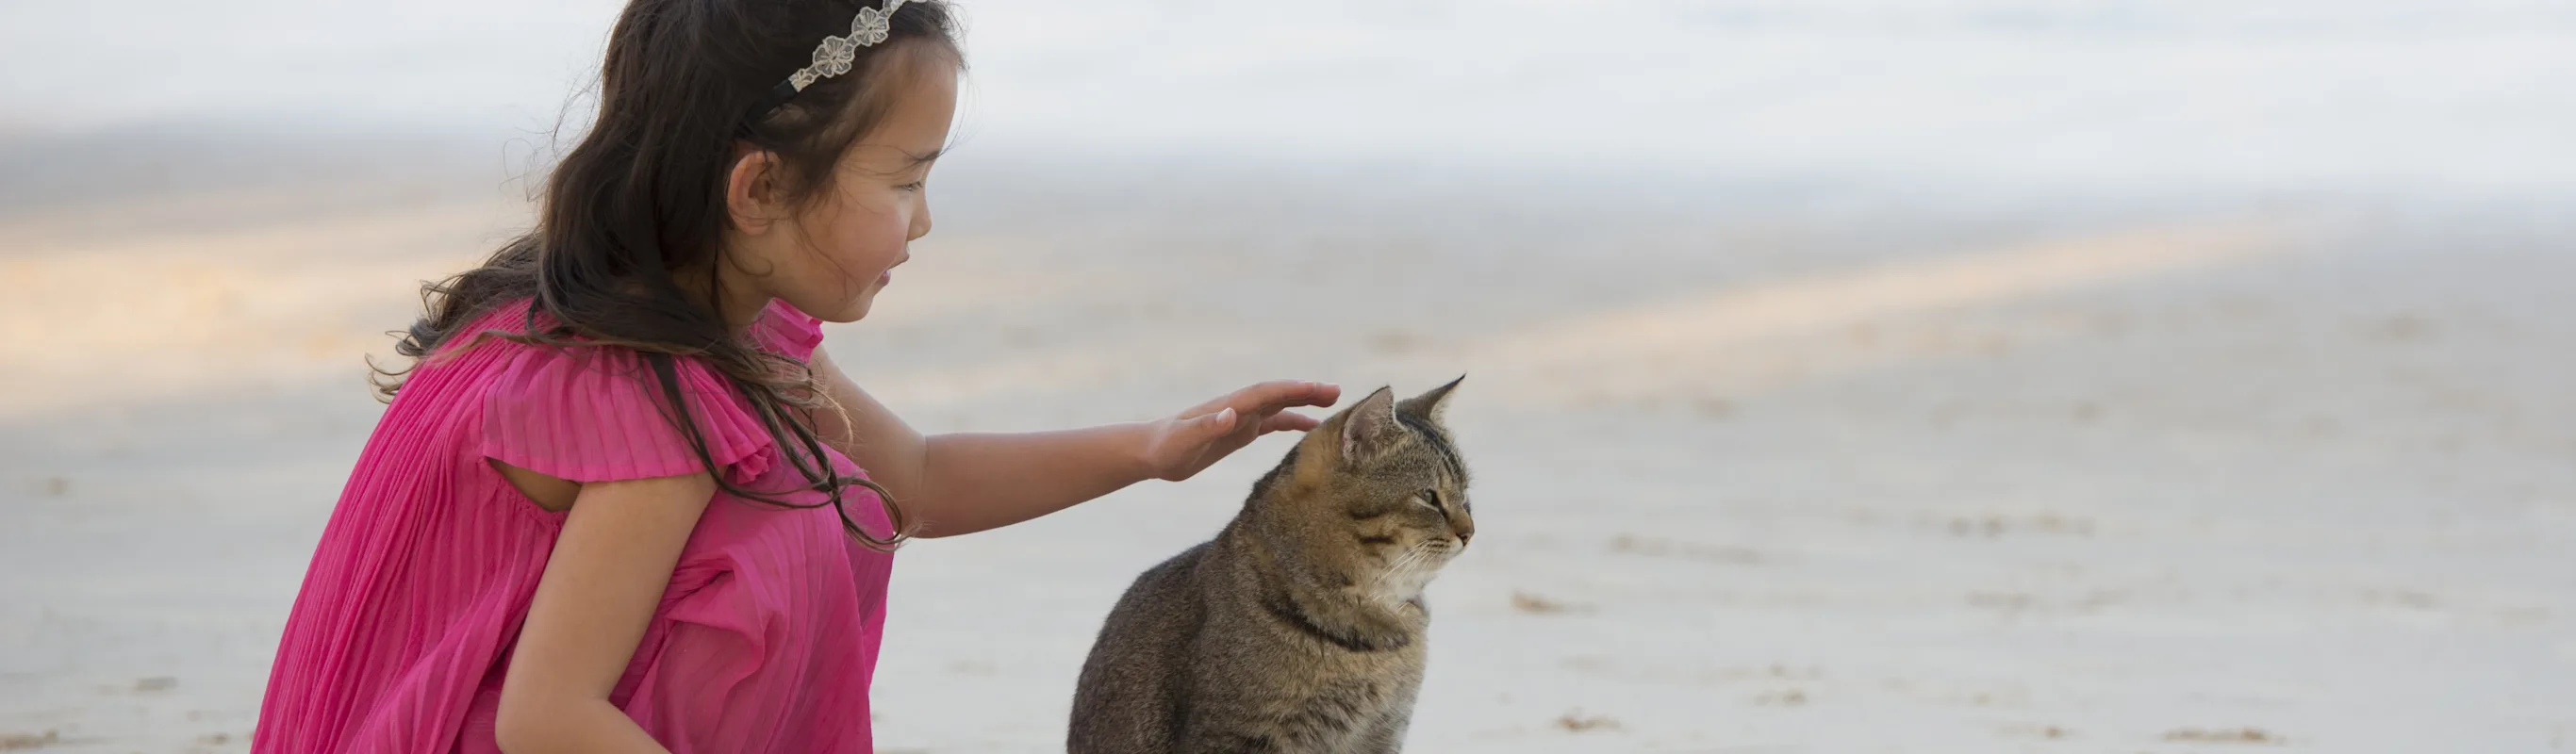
1300, 627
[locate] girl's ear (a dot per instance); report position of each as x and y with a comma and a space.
752, 192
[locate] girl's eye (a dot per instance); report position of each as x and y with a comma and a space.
913, 186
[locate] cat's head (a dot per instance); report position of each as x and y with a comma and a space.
1378, 490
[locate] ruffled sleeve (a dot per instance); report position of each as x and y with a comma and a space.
784, 330
596, 414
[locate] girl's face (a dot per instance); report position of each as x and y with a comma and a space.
829, 258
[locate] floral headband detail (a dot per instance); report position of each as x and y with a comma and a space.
833, 57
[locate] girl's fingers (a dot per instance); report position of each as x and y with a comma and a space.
1271, 397
1320, 394
1288, 422
1218, 423
1325, 396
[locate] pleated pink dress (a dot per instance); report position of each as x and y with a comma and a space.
765, 640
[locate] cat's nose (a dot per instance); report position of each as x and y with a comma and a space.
1464, 530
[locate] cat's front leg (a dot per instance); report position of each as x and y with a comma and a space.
1199, 737
1385, 735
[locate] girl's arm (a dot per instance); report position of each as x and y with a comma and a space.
607, 573
969, 482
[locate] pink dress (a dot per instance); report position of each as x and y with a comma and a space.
764, 641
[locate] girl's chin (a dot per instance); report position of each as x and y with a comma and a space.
848, 313
852, 311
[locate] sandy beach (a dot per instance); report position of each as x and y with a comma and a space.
1753, 479
1850, 376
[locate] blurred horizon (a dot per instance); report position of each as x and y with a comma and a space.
2450, 101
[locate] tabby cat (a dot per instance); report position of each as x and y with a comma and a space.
1300, 627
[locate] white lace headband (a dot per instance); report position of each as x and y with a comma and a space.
834, 55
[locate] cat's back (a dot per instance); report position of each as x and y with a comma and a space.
1163, 600
1127, 697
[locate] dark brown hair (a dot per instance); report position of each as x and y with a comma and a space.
633, 215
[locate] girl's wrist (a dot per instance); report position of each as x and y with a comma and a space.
1136, 451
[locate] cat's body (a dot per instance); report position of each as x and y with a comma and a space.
1300, 627
1171, 685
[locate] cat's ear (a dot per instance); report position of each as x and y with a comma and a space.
1369, 428
1431, 405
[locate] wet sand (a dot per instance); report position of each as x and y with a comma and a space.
1759, 470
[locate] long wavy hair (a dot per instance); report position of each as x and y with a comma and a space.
633, 216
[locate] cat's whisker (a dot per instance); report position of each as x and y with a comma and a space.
1392, 567
1412, 555
1390, 587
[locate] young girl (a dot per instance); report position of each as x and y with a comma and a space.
618, 503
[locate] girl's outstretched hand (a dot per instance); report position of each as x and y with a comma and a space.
1179, 447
